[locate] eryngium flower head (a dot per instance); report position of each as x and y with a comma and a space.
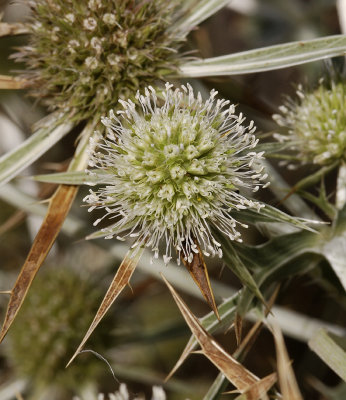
172, 172
47, 331
84, 54
316, 124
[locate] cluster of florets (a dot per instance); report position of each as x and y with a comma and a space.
85, 54
316, 124
47, 331
172, 172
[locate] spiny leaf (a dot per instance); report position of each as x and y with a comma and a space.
198, 270
288, 384
330, 352
238, 375
226, 310
259, 390
267, 58
120, 280
10, 82
59, 207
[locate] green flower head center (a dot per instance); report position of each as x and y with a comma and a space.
173, 161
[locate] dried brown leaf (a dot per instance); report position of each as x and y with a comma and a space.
287, 380
238, 375
10, 82
120, 280
259, 390
198, 270
58, 209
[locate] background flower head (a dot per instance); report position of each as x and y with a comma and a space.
83, 55
316, 123
48, 328
172, 172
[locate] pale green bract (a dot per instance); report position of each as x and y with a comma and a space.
316, 124
173, 172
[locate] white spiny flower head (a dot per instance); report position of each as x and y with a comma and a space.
316, 123
172, 168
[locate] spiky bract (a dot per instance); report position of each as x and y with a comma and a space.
316, 124
47, 331
171, 172
83, 55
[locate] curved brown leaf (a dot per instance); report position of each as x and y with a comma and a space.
238, 375
59, 206
120, 280
259, 390
58, 209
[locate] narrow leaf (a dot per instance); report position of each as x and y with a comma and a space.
13, 162
238, 375
272, 214
267, 58
59, 206
235, 264
10, 82
288, 384
196, 14
227, 311
120, 280
198, 270
13, 29
330, 352
70, 178
216, 389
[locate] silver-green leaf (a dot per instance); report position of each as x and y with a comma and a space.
267, 58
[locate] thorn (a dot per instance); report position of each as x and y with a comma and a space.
5, 291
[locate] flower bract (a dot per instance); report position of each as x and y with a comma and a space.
173, 168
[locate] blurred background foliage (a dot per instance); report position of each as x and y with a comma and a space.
145, 331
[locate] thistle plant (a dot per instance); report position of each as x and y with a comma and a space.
316, 123
172, 172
